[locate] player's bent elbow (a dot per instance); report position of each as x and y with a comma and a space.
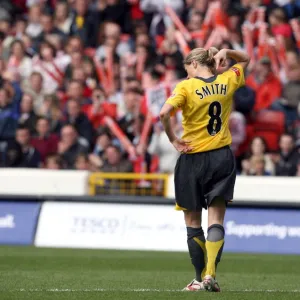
165, 111
162, 115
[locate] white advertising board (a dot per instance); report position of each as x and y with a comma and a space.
112, 226
36, 182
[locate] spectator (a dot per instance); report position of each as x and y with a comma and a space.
132, 101
70, 145
76, 62
114, 162
28, 43
258, 163
82, 162
62, 18
27, 117
131, 83
44, 141
168, 45
53, 162
8, 115
279, 25
288, 157
266, 85
99, 108
18, 63
48, 28
112, 39
258, 148
75, 92
50, 109
78, 74
34, 27
143, 39
46, 64
90, 73
20, 27
85, 23
30, 156
34, 87
74, 44
79, 120
103, 141
195, 21
11, 155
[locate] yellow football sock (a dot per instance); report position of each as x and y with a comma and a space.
213, 250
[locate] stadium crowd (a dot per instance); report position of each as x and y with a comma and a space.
82, 81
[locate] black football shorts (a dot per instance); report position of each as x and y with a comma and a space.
202, 176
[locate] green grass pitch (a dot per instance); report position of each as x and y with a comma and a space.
35, 273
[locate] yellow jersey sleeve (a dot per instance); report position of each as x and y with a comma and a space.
236, 76
178, 97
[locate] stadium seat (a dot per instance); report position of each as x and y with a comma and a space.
270, 120
270, 125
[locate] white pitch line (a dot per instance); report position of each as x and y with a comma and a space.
146, 290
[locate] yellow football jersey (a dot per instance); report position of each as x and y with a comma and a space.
206, 106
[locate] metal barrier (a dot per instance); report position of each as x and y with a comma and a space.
130, 184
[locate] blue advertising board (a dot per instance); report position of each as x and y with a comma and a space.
262, 230
18, 222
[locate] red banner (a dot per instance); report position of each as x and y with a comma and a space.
101, 74
184, 47
110, 71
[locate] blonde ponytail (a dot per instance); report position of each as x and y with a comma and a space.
203, 57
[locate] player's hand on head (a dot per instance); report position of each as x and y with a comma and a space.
220, 58
182, 146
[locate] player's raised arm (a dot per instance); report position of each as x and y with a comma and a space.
240, 57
